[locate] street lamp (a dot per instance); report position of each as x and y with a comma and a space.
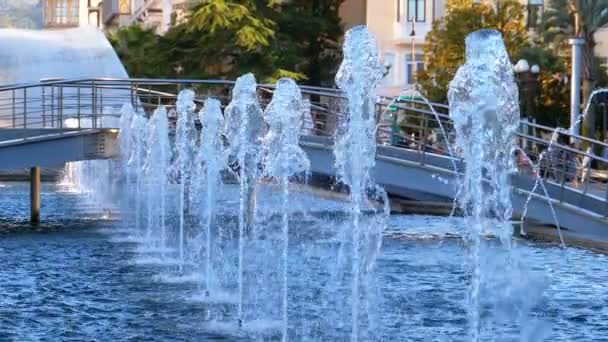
528, 84
413, 58
535, 69
528, 81
522, 66
387, 68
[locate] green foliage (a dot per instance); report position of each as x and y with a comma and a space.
553, 94
140, 52
240, 21
445, 50
580, 18
308, 39
226, 38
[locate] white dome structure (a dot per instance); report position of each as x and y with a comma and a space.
28, 56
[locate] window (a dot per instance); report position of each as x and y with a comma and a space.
412, 68
61, 13
416, 10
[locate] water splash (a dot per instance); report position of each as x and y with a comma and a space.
209, 163
156, 168
355, 148
136, 160
283, 158
484, 106
125, 140
184, 151
244, 130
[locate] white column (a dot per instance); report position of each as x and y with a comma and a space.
575, 84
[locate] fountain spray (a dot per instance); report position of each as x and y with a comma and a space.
283, 158
157, 164
125, 140
184, 149
244, 130
355, 149
135, 163
210, 161
484, 106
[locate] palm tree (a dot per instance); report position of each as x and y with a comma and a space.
582, 20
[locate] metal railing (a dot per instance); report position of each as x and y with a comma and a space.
574, 173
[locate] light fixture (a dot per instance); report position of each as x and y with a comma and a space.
535, 69
522, 66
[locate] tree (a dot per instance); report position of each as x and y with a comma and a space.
582, 19
445, 51
140, 51
552, 90
308, 40
226, 38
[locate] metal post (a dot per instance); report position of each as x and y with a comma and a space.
604, 122
78, 99
35, 195
575, 84
61, 107
14, 113
53, 106
413, 61
100, 108
94, 105
24, 107
43, 107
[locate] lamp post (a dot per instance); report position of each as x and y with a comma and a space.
575, 82
528, 83
387, 68
413, 57
528, 80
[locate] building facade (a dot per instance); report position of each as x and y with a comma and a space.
400, 26
156, 14
111, 14
71, 13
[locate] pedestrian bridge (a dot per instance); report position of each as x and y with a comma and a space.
58, 121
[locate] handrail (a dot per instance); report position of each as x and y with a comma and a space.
107, 82
86, 99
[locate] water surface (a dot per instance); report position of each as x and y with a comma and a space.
77, 277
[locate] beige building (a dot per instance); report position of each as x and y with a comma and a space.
71, 13
158, 14
109, 14
601, 49
400, 26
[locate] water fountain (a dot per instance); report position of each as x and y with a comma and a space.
209, 163
283, 158
125, 139
135, 164
244, 130
184, 151
320, 265
484, 106
156, 169
355, 149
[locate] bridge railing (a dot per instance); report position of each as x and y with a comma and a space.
407, 123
